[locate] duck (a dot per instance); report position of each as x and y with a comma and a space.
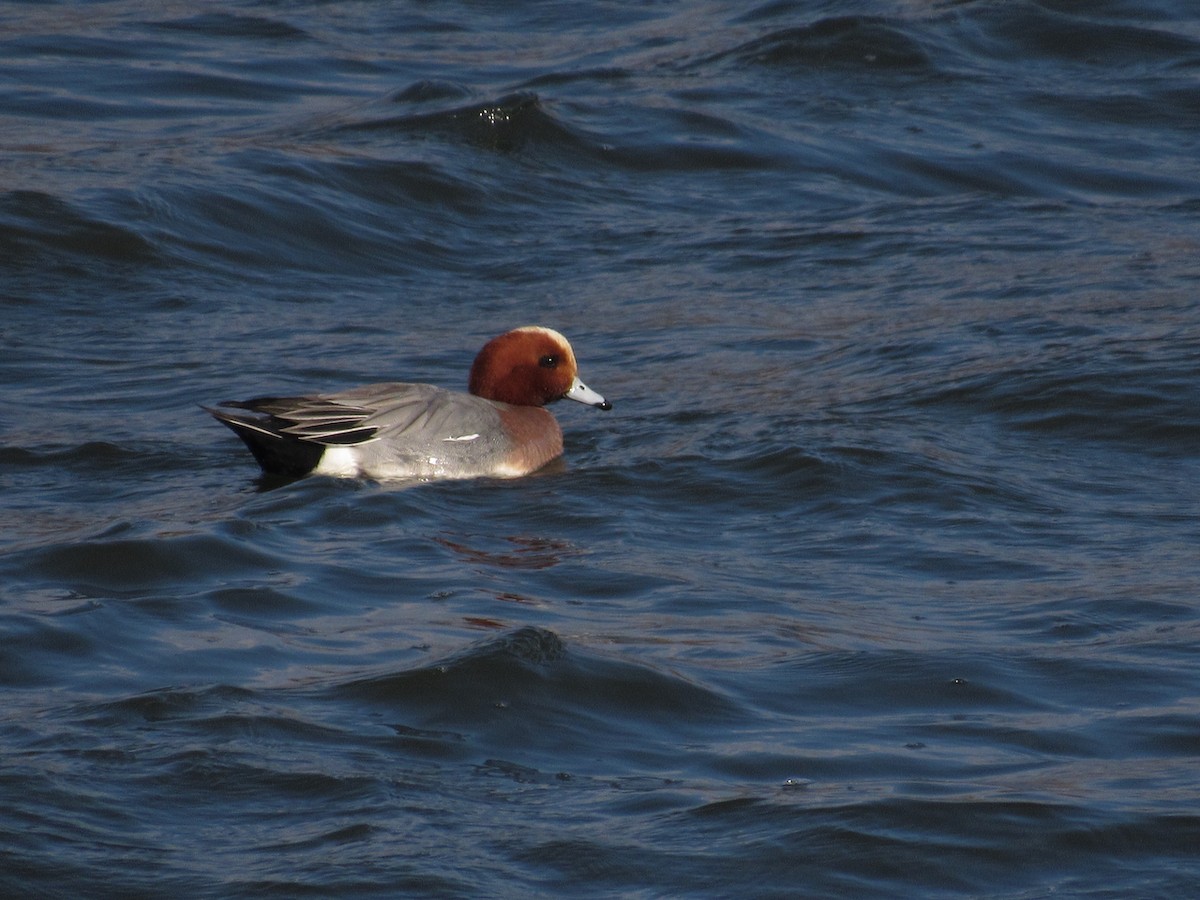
500, 428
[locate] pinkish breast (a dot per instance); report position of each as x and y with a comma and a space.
534, 435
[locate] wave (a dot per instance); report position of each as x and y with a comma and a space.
861, 43
35, 225
527, 696
1142, 406
507, 124
234, 26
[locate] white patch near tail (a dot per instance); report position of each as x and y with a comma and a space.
340, 462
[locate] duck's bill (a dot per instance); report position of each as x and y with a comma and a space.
584, 394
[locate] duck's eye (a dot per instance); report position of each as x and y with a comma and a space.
548, 362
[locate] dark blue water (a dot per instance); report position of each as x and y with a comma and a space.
881, 579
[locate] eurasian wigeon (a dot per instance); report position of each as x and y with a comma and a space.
397, 430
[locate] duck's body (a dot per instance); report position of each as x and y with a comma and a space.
398, 430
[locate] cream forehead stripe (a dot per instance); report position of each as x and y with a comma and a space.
550, 333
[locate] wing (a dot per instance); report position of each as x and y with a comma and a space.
320, 420
394, 411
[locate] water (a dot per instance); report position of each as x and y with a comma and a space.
880, 579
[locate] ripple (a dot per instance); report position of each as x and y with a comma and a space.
854, 42
1141, 406
236, 27
528, 682
507, 124
884, 563
133, 565
36, 225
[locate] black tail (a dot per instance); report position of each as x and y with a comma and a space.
277, 453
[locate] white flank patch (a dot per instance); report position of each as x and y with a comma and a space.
463, 437
338, 461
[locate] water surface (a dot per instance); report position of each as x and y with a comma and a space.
879, 580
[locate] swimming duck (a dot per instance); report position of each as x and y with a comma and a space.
398, 430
